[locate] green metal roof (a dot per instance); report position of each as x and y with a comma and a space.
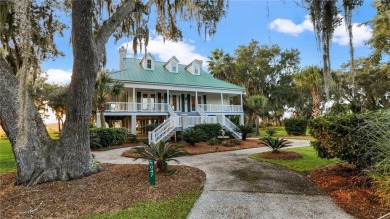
134, 72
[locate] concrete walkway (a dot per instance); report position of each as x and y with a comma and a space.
238, 187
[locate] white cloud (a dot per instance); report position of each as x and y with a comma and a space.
289, 27
360, 33
163, 51
58, 76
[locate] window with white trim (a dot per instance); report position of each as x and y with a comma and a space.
196, 70
149, 64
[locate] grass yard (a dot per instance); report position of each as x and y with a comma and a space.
176, 207
7, 161
281, 133
309, 162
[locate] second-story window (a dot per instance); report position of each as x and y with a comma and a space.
174, 68
149, 64
196, 69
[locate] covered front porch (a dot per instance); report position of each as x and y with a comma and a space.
136, 100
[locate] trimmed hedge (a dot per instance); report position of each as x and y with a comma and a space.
295, 126
109, 136
339, 136
211, 130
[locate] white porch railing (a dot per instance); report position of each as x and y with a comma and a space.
220, 108
193, 120
199, 109
137, 107
231, 126
163, 130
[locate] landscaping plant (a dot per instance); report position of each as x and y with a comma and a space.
213, 141
274, 143
271, 132
295, 126
245, 130
193, 136
161, 153
210, 130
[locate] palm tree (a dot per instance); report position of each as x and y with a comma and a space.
104, 88
255, 104
311, 78
245, 130
221, 65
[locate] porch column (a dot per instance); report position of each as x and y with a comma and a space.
133, 124
242, 108
221, 102
196, 99
98, 122
168, 100
242, 119
134, 100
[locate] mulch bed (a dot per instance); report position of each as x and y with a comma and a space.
350, 190
280, 155
115, 188
204, 148
125, 145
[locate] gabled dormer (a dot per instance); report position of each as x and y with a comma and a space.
148, 61
172, 65
195, 67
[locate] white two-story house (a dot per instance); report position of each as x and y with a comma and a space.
176, 96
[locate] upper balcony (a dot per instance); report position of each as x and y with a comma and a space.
131, 107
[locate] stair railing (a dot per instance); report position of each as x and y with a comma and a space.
232, 127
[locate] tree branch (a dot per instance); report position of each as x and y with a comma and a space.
111, 24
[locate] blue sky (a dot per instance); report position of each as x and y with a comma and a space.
280, 22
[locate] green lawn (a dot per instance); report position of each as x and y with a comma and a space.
7, 161
176, 207
309, 162
281, 133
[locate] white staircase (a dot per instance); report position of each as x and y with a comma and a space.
231, 127
168, 128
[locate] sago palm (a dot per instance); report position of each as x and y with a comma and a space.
274, 143
245, 130
161, 153
192, 136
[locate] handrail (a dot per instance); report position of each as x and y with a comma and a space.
232, 127
164, 129
170, 110
200, 110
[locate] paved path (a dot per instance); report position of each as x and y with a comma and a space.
238, 187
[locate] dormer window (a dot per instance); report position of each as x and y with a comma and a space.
196, 70
172, 65
149, 64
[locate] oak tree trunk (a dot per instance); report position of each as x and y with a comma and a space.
43, 159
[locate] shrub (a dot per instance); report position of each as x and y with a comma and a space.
193, 136
245, 130
109, 136
295, 126
270, 131
149, 127
94, 140
237, 141
274, 143
210, 130
232, 142
342, 136
161, 153
132, 138
213, 141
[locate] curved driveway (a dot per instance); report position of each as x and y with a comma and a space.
238, 187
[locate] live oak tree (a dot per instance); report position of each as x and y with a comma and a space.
39, 158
